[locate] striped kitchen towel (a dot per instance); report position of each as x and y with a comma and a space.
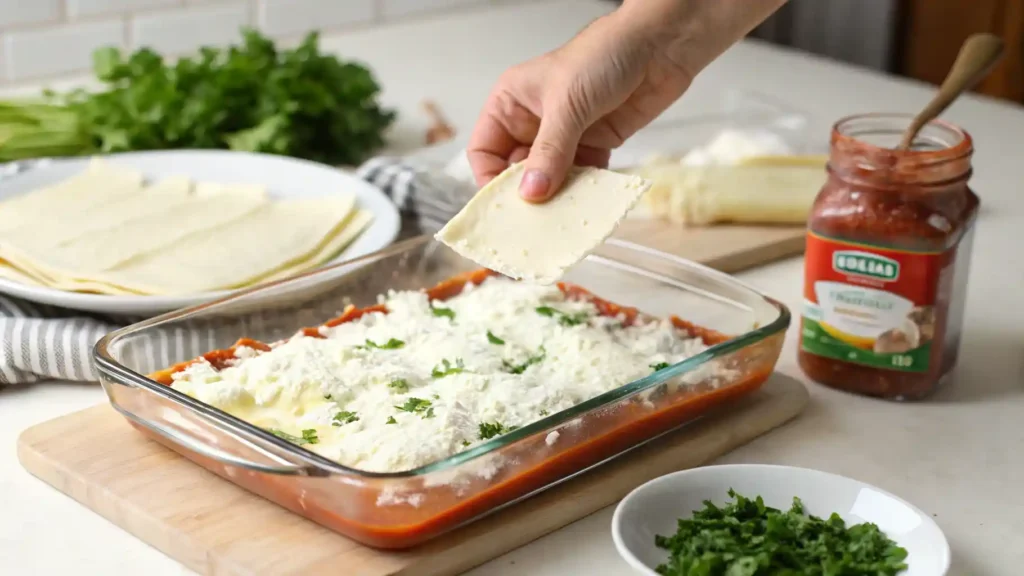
39, 342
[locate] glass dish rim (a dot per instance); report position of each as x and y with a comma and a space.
123, 375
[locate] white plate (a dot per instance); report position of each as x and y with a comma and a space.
654, 508
283, 177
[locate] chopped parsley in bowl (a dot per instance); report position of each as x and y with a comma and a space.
765, 520
746, 537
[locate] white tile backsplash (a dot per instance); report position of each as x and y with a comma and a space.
397, 8
17, 12
47, 52
78, 8
47, 38
185, 30
290, 17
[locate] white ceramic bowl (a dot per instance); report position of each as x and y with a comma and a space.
654, 508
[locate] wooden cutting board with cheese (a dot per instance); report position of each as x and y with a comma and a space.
729, 217
214, 527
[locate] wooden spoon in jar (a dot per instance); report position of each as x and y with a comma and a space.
976, 59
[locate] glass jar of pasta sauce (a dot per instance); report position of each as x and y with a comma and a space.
888, 252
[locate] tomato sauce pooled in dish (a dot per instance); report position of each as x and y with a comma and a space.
888, 252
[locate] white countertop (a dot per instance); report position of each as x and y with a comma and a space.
957, 456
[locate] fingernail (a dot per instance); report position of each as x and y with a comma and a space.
535, 185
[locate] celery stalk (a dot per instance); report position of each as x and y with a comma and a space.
36, 128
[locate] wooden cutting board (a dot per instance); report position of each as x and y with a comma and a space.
722, 247
214, 527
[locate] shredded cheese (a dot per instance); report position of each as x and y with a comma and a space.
394, 391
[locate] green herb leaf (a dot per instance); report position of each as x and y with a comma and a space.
520, 368
547, 311
308, 436
574, 319
414, 405
345, 417
391, 344
429, 413
489, 430
391, 420
544, 412
465, 443
446, 368
287, 436
494, 339
660, 366
327, 396
564, 318
106, 62
400, 385
443, 312
747, 538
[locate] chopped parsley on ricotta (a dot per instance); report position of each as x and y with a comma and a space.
394, 391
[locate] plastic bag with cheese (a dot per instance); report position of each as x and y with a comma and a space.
764, 190
695, 162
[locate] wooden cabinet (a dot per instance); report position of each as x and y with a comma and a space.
933, 31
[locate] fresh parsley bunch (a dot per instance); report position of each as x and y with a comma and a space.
252, 97
747, 538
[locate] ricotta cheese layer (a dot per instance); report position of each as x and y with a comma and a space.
393, 391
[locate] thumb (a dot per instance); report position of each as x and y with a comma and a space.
551, 155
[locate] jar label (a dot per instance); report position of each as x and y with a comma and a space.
871, 305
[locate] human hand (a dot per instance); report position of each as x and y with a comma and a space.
573, 106
578, 102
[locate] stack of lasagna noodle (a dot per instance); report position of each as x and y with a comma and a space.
108, 230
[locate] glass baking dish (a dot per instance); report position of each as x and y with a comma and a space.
399, 510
